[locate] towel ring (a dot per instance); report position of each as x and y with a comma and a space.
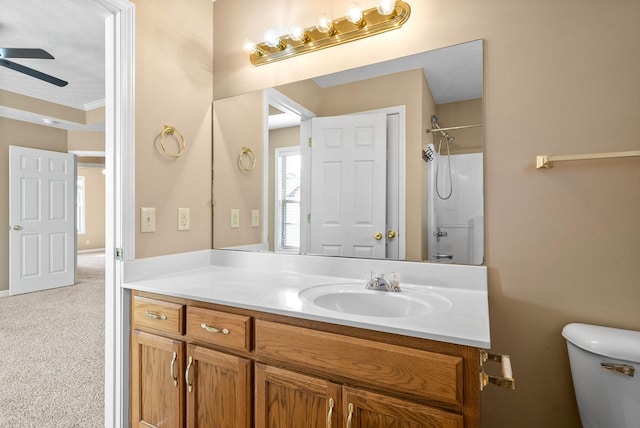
247, 153
171, 130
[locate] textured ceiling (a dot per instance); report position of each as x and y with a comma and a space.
73, 31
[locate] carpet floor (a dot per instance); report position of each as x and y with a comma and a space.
52, 353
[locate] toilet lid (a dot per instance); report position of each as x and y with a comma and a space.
606, 341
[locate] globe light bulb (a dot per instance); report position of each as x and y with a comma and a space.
354, 14
296, 33
386, 7
249, 47
325, 24
271, 38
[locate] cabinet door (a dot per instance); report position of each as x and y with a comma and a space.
157, 397
218, 389
286, 399
363, 409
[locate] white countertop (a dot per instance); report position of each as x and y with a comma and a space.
272, 283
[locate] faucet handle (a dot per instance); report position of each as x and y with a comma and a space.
394, 281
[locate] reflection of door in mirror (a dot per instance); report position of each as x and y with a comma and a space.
347, 193
349, 185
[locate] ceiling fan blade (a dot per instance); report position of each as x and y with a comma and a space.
33, 73
24, 53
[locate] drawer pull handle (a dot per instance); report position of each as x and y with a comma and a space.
330, 414
215, 330
186, 375
155, 316
350, 415
173, 371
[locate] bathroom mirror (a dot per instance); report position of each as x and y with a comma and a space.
350, 165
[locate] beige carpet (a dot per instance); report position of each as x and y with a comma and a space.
52, 353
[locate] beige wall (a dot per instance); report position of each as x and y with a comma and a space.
86, 140
24, 134
44, 108
562, 245
173, 87
238, 122
94, 182
460, 113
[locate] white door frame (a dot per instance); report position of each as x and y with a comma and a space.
120, 201
398, 163
277, 99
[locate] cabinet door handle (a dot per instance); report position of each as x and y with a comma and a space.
349, 419
330, 413
214, 329
155, 316
173, 368
186, 375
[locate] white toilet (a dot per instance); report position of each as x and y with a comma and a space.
605, 365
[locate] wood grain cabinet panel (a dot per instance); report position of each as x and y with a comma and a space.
218, 389
381, 365
157, 315
364, 409
285, 399
157, 388
219, 328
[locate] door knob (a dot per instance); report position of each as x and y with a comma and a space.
17, 227
392, 234
378, 236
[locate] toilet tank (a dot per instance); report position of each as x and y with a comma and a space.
605, 365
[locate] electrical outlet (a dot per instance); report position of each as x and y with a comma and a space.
184, 219
235, 218
255, 218
147, 220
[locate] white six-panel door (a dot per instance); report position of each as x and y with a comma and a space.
348, 175
42, 195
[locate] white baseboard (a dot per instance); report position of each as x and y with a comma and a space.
4, 293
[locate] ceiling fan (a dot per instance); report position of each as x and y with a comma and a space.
28, 53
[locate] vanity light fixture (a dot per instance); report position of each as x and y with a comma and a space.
357, 24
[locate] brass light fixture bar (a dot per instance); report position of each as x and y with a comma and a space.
342, 30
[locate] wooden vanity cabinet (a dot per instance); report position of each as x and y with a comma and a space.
175, 383
273, 371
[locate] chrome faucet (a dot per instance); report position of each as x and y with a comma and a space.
377, 282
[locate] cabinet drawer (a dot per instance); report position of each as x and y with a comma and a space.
158, 315
219, 328
389, 367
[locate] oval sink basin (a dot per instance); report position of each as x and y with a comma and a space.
355, 299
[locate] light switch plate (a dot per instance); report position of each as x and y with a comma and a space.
184, 219
147, 219
255, 218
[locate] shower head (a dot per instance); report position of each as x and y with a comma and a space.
434, 118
